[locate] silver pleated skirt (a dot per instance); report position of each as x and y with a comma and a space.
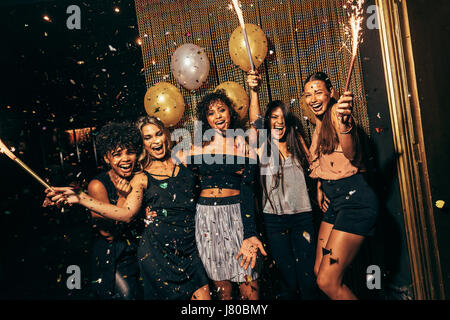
219, 234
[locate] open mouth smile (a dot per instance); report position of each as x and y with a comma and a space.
125, 169
219, 123
317, 107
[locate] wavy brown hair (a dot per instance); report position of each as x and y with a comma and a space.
144, 159
328, 138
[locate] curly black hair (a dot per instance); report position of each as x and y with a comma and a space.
203, 105
114, 135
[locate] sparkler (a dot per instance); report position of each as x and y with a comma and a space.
5, 150
354, 32
241, 22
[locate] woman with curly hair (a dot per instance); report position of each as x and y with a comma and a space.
225, 217
115, 268
170, 265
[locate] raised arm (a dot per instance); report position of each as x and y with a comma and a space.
345, 125
254, 81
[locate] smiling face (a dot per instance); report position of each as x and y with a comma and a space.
277, 124
122, 161
155, 141
218, 115
317, 96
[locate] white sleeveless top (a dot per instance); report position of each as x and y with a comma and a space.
295, 198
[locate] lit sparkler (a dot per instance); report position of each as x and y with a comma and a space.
241, 22
354, 31
5, 150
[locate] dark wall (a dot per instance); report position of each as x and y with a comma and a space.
388, 248
430, 34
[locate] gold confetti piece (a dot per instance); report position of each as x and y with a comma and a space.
307, 236
440, 204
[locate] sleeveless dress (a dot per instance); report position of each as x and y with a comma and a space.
115, 268
168, 255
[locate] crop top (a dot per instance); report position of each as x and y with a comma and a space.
332, 166
229, 172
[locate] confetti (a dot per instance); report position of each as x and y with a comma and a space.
440, 204
307, 236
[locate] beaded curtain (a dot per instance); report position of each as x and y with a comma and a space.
303, 37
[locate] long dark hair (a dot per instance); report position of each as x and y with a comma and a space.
291, 136
328, 138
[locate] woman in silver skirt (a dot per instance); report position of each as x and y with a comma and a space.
225, 220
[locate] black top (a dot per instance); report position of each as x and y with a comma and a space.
229, 172
172, 195
120, 230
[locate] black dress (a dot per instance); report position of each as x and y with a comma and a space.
170, 265
115, 268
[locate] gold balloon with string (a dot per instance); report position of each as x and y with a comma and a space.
258, 46
237, 95
164, 101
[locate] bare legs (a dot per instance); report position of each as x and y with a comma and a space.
202, 293
335, 251
249, 291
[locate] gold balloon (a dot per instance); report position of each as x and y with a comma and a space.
237, 95
164, 101
258, 46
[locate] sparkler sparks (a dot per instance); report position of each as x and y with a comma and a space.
353, 31
239, 13
242, 23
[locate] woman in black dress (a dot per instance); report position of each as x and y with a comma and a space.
168, 255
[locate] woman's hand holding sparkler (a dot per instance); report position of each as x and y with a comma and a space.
254, 80
61, 195
343, 110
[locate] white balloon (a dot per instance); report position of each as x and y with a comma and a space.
190, 66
